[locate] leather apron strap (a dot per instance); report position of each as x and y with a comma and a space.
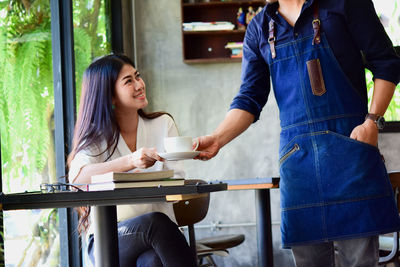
316, 24
271, 37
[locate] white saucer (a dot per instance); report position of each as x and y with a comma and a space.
179, 155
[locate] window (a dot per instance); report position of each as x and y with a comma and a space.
27, 124
92, 36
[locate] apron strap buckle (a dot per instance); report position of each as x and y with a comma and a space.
316, 21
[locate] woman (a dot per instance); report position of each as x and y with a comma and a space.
113, 133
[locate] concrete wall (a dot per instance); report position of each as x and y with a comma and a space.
198, 97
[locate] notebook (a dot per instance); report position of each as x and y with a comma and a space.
116, 185
132, 176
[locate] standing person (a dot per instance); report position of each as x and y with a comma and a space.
334, 186
113, 133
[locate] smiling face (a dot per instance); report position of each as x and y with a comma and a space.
130, 90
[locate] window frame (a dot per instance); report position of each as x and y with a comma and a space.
64, 118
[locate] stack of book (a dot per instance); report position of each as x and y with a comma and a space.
236, 49
114, 180
208, 26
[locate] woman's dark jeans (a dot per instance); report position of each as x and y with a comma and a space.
150, 240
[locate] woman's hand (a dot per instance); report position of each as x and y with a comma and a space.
209, 147
366, 132
144, 158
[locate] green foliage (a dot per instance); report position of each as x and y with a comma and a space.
90, 36
26, 84
27, 104
82, 56
26, 94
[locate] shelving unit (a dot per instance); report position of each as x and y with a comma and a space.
209, 46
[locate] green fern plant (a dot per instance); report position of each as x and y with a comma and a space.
25, 73
27, 98
26, 87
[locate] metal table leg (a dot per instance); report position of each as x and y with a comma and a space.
264, 231
105, 236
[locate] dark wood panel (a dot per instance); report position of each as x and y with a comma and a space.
232, 32
187, 3
196, 46
212, 60
209, 46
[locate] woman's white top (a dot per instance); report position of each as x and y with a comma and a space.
150, 134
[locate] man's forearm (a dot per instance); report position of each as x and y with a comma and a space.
382, 95
235, 122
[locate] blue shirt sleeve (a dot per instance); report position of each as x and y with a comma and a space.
255, 86
371, 38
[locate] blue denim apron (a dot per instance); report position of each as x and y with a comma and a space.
332, 187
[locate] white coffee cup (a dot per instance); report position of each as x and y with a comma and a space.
180, 144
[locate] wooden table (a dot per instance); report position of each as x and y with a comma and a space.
263, 213
105, 214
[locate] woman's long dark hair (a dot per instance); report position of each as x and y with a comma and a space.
96, 122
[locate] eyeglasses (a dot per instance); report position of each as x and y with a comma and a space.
58, 187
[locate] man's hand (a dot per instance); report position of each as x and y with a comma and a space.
366, 132
236, 121
209, 147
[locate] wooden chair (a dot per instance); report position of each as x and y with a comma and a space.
389, 245
191, 211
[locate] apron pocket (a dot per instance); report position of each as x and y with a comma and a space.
346, 138
299, 184
349, 169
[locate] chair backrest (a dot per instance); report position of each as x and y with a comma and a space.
395, 181
191, 211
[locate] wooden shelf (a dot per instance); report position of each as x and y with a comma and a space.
209, 46
212, 60
224, 3
214, 32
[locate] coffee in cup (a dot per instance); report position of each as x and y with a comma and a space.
180, 144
